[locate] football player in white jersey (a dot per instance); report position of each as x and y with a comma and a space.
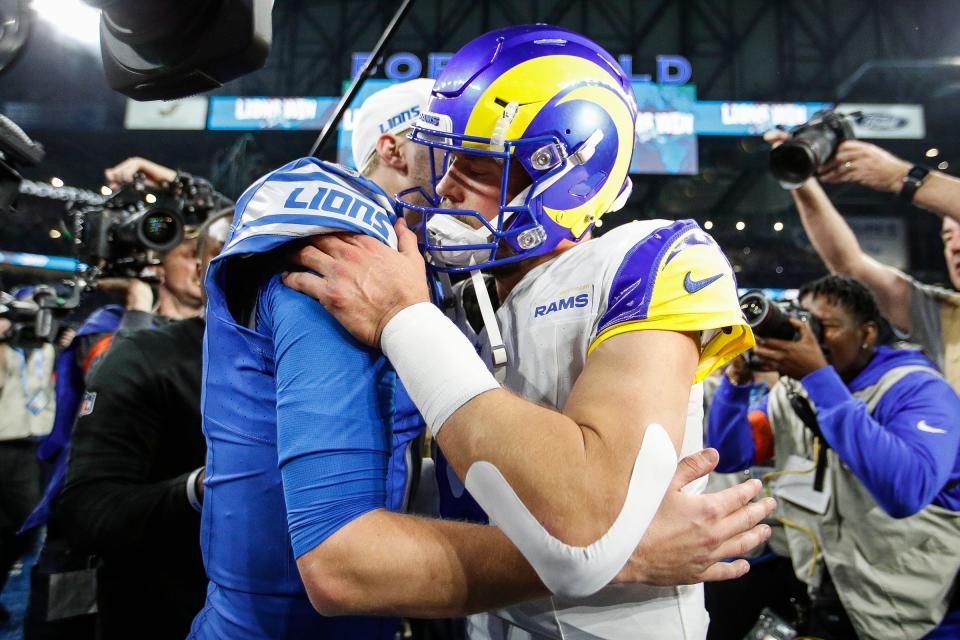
598, 341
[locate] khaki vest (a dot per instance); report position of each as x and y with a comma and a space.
950, 329
16, 421
894, 576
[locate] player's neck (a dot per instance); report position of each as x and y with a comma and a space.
507, 279
387, 179
509, 276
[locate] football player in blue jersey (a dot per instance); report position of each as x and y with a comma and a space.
306, 429
603, 341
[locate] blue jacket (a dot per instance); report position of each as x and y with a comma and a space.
304, 425
905, 454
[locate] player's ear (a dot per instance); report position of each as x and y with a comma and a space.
388, 148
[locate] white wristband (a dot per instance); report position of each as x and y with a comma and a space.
192, 496
436, 363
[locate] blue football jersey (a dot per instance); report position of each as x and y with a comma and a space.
290, 404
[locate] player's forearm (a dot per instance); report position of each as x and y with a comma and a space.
563, 476
390, 564
542, 454
829, 233
572, 470
563, 473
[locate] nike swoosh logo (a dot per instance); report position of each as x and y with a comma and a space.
923, 426
692, 286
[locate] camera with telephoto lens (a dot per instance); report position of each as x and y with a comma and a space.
770, 319
811, 146
131, 230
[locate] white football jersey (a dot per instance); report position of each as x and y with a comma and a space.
654, 274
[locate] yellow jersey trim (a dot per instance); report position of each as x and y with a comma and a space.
721, 349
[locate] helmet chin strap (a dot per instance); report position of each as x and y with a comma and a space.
498, 351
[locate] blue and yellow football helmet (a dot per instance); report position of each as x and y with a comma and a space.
555, 102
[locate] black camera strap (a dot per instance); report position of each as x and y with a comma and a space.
804, 410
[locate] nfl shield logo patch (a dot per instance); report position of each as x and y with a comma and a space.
86, 406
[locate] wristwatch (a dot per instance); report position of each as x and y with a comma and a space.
912, 182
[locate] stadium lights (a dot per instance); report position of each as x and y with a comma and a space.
932, 152
741, 225
708, 225
56, 182
54, 234
73, 18
105, 190
150, 198
778, 226
943, 166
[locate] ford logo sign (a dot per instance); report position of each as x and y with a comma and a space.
881, 122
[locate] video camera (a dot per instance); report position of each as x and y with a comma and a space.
770, 319
811, 146
127, 233
164, 49
35, 318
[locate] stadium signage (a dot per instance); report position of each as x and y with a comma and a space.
405, 65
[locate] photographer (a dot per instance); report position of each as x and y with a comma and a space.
134, 480
929, 313
178, 296
866, 448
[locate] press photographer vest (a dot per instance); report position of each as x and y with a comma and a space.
894, 576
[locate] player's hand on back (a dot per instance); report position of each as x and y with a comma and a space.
692, 535
362, 282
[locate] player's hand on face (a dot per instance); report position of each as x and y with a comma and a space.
692, 535
360, 280
794, 358
867, 164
